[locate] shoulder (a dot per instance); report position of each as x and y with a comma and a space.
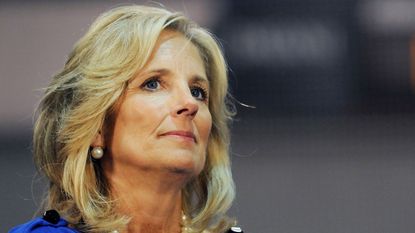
49, 223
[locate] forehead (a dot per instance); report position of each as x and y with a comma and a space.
174, 49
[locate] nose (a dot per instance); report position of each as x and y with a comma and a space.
185, 105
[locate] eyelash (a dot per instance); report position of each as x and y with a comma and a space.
202, 90
152, 79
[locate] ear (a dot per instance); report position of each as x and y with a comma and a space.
98, 140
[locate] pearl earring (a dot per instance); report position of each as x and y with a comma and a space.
97, 152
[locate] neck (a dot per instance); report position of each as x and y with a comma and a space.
152, 199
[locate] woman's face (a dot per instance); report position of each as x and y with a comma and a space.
163, 121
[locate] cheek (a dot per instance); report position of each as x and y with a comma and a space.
136, 120
205, 125
143, 111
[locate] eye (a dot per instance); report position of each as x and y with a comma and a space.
199, 93
151, 84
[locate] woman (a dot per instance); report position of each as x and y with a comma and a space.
133, 132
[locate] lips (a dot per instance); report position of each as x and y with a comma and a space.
182, 134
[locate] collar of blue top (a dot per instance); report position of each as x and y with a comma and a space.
51, 222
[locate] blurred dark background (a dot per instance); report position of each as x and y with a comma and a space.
328, 144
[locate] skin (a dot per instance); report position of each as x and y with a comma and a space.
159, 136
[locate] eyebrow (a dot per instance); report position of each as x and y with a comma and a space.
195, 78
199, 79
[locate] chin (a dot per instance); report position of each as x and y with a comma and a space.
181, 171
186, 166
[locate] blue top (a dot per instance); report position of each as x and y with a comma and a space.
40, 225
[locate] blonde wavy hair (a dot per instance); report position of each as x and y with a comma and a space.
80, 99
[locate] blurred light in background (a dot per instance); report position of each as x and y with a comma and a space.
387, 17
285, 44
